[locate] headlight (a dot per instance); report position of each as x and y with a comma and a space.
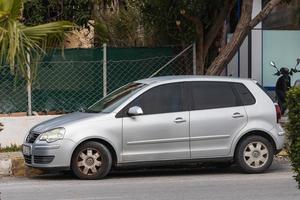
53, 135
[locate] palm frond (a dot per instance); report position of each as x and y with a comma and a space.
18, 41
13, 7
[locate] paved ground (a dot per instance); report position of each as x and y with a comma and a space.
159, 183
7, 155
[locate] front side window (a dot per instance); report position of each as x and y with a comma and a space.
161, 99
211, 95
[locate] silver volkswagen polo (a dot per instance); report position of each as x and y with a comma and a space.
162, 120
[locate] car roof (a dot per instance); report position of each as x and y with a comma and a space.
182, 78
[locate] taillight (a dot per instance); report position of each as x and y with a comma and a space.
278, 112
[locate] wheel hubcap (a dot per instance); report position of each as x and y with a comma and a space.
89, 161
256, 154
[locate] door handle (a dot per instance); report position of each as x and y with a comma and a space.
237, 115
179, 120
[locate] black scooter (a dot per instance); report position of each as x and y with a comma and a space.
283, 83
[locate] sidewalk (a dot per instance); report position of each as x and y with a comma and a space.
12, 164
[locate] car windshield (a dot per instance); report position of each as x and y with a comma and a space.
114, 99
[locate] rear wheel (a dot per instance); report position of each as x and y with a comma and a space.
91, 160
254, 154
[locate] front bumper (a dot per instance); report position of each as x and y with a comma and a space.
49, 155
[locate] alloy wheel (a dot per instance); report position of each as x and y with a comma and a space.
89, 161
256, 154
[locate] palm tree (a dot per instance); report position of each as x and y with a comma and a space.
20, 44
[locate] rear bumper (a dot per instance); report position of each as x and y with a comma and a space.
279, 137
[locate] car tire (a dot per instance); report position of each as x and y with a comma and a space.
254, 154
91, 160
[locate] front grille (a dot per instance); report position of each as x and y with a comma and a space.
32, 137
43, 159
27, 159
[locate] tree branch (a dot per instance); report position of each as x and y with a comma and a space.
213, 31
193, 19
244, 26
264, 13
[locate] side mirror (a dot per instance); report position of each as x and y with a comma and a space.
135, 110
298, 61
273, 64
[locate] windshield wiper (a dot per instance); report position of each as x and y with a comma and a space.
88, 111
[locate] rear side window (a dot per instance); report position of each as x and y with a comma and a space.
245, 95
210, 95
161, 99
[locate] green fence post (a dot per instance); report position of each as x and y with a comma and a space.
194, 59
29, 92
104, 69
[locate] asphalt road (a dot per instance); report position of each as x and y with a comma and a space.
159, 183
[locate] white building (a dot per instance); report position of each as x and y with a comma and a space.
275, 39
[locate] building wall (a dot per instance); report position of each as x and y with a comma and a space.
15, 129
275, 40
282, 47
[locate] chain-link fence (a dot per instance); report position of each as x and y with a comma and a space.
67, 86
13, 94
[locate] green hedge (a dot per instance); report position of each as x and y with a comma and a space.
11, 148
293, 127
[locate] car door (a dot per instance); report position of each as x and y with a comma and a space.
216, 117
162, 131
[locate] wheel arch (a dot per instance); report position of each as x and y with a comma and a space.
101, 141
257, 133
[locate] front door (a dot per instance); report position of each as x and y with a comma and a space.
162, 131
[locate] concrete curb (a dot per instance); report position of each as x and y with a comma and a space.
5, 167
12, 164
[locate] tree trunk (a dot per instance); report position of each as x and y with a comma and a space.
213, 32
204, 41
239, 35
244, 26
200, 56
200, 59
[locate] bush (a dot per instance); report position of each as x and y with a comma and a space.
293, 127
11, 148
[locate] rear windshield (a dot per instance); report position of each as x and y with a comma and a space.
272, 97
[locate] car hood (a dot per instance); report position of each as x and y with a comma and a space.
65, 120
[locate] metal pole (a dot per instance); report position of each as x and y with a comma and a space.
29, 92
104, 69
194, 59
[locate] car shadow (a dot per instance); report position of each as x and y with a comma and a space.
161, 171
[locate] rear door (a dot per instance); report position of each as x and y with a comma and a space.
216, 116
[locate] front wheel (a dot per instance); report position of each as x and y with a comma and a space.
254, 154
91, 160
